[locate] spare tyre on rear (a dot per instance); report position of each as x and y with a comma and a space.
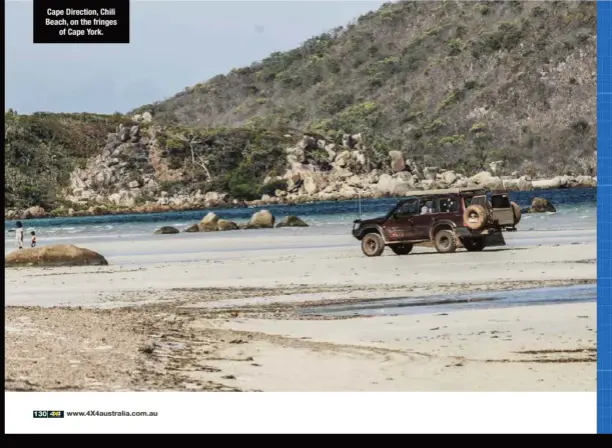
475, 217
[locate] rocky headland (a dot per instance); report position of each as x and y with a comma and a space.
128, 177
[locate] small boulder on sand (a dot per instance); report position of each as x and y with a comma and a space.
192, 228
541, 205
291, 221
209, 223
223, 225
262, 219
54, 256
212, 223
165, 230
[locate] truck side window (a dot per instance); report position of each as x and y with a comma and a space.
430, 205
409, 208
448, 205
479, 200
499, 201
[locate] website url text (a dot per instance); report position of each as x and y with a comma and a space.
110, 414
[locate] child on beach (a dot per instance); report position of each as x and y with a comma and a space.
19, 234
33, 239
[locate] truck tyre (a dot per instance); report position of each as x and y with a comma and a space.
473, 244
475, 217
401, 249
372, 245
516, 210
445, 241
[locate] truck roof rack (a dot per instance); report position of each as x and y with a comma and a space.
447, 191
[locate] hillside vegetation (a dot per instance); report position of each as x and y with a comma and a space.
452, 82
454, 85
41, 150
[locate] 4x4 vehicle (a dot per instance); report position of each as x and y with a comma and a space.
471, 217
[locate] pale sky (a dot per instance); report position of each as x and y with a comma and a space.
174, 44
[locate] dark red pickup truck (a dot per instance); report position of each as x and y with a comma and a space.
470, 217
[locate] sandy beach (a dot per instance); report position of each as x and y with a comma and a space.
224, 311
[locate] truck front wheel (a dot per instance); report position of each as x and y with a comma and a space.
372, 245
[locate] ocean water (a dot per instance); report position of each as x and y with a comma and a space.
576, 210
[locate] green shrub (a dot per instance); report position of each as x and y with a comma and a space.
271, 187
455, 46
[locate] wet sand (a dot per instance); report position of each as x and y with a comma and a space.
218, 312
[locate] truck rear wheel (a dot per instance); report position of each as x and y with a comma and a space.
401, 249
473, 244
372, 245
445, 241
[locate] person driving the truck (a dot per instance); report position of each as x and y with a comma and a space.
426, 209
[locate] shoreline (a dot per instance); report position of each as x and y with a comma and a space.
104, 210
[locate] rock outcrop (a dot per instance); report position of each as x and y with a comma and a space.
166, 230
346, 173
262, 219
208, 223
54, 256
34, 212
541, 205
223, 225
130, 172
212, 223
291, 221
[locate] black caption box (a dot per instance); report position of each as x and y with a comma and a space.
79, 22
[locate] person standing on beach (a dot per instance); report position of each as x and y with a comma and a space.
33, 239
19, 234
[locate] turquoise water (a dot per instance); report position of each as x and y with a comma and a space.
576, 210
